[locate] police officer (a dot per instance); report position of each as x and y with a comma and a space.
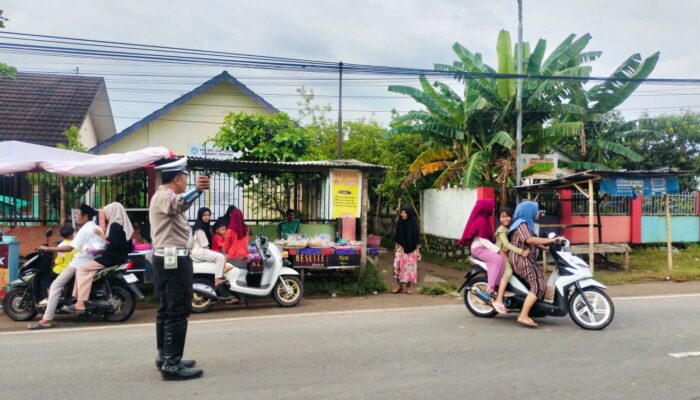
172, 265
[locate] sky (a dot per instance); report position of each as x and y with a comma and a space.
407, 33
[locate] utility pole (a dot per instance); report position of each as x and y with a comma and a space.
519, 101
339, 152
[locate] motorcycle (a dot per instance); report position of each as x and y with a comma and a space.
113, 294
576, 293
278, 281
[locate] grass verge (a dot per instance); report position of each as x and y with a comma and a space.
344, 283
437, 289
649, 264
435, 259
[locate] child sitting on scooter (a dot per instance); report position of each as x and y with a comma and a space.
60, 262
219, 236
505, 217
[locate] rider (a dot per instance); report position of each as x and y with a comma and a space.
86, 241
117, 249
478, 234
523, 234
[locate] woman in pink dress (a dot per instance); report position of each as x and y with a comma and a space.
407, 252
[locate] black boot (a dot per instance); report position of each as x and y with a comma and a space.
160, 325
174, 346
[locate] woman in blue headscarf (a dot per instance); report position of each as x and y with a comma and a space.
523, 234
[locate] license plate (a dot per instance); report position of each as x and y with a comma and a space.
131, 278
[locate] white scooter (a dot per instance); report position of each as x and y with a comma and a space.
576, 293
278, 281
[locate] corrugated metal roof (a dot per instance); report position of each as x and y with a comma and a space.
596, 175
280, 166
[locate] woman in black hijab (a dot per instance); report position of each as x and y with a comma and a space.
407, 252
201, 245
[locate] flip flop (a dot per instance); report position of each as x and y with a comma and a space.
500, 308
77, 311
36, 326
528, 324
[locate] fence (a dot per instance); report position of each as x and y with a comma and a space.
34, 198
610, 205
679, 204
265, 197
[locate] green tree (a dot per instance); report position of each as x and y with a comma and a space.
668, 141
471, 137
6, 70
72, 135
262, 137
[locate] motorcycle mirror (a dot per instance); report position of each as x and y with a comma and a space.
551, 235
49, 233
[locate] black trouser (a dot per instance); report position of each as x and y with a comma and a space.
175, 290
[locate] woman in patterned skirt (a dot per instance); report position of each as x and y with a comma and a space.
407, 252
523, 234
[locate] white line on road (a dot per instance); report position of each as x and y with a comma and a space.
298, 315
685, 355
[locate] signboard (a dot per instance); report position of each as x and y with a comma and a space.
309, 258
530, 160
343, 260
197, 150
4, 266
346, 187
634, 185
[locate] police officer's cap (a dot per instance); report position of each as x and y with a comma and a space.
173, 167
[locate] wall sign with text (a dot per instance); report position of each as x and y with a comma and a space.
346, 187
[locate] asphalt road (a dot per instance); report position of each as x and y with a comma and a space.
433, 352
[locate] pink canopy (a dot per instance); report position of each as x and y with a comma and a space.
24, 157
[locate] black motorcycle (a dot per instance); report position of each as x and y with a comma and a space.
113, 294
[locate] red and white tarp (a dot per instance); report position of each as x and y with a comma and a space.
24, 157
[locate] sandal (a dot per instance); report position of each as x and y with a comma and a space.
529, 324
38, 325
233, 300
77, 311
398, 289
499, 307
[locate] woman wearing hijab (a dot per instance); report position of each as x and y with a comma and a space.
117, 249
201, 244
236, 240
523, 234
478, 235
407, 252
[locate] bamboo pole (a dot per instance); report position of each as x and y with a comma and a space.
62, 201
591, 238
669, 249
363, 207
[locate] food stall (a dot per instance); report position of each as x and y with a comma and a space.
332, 197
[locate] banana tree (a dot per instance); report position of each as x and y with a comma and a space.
471, 136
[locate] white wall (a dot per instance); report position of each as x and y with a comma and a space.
444, 212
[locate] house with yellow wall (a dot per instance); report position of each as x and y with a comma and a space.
186, 123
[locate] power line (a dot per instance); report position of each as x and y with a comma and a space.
169, 55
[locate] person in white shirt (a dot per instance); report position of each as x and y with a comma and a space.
88, 241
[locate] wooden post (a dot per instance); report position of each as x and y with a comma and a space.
591, 238
669, 248
363, 233
62, 201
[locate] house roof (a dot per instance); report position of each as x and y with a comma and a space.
222, 77
38, 108
235, 165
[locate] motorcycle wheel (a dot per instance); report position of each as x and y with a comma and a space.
285, 299
16, 308
474, 304
603, 309
123, 305
201, 304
